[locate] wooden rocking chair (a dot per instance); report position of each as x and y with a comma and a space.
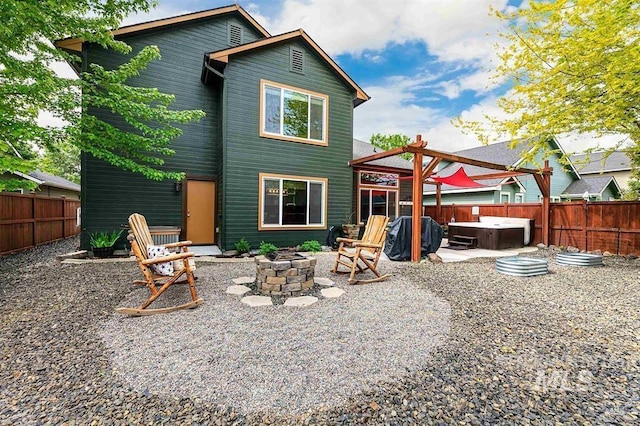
367, 250
158, 284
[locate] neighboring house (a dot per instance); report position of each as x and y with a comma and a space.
381, 186
593, 188
49, 185
269, 160
518, 189
617, 164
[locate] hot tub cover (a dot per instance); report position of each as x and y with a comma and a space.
398, 245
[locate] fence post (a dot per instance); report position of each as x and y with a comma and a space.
34, 233
585, 219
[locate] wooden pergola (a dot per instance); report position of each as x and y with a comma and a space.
421, 175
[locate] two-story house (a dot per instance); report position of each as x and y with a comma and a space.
269, 160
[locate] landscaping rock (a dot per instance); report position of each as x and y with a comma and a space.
325, 282
435, 344
332, 293
243, 280
434, 258
255, 301
238, 290
301, 301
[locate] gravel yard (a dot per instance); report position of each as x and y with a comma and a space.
435, 343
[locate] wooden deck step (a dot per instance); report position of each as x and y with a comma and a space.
462, 242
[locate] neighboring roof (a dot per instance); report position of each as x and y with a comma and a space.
223, 57
364, 149
75, 43
615, 162
499, 153
53, 180
590, 184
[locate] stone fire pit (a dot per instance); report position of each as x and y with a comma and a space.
289, 274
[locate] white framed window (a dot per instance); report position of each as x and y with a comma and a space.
554, 199
518, 197
378, 194
292, 202
505, 197
292, 114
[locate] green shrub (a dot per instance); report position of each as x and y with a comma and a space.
311, 245
266, 248
104, 239
243, 246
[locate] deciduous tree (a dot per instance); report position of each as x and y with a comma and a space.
575, 67
387, 142
28, 85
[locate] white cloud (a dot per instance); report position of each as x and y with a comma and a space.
394, 107
451, 30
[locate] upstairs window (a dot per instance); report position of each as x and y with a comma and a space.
235, 34
293, 114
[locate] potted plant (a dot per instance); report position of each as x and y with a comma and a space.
102, 243
351, 230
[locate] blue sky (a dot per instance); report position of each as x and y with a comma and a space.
423, 62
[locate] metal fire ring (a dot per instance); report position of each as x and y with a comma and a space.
579, 259
521, 266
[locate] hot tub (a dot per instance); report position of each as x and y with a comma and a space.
491, 236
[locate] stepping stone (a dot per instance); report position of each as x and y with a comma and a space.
243, 280
237, 290
301, 301
255, 301
332, 293
326, 282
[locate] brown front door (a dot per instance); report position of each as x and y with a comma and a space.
201, 197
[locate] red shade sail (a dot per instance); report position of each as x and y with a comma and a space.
460, 179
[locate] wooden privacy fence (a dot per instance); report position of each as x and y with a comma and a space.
612, 226
30, 220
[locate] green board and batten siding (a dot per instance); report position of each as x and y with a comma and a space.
247, 154
110, 195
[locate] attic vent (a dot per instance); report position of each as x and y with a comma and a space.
235, 35
296, 61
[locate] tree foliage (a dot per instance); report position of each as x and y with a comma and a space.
62, 159
575, 67
387, 142
28, 85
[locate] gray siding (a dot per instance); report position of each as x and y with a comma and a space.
246, 154
110, 195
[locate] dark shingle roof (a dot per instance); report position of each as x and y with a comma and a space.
618, 160
55, 181
499, 153
592, 184
363, 149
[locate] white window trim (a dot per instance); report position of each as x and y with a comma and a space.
554, 199
275, 227
508, 194
280, 136
520, 195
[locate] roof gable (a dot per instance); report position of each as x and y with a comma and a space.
222, 56
615, 162
74, 44
592, 185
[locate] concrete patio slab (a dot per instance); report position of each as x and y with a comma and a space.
449, 255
